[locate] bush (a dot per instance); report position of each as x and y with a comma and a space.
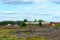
23, 24
57, 26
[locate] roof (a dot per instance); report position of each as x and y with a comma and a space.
45, 22
55, 22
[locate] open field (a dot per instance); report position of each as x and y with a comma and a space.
7, 34
30, 34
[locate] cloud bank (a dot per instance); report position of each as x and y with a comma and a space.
15, 2
56, 1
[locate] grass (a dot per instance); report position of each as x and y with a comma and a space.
8, 37
37, 39
5, 34
6, 31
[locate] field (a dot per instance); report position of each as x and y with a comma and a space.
7, 34
30, 34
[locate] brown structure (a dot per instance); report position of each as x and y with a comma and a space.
54, 23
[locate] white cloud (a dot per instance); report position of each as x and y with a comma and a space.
56, 13
11, 12
24, 13
21, 1
27, 8
56, 1
42, 7
14, 12
7, 12
17, 1
38, 1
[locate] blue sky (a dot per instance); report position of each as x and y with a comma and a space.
48, 10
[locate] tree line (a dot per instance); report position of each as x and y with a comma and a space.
20, 23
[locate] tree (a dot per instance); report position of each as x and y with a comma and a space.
19, 23
23, 24
3, 23
25, 20
40, 22
35, 20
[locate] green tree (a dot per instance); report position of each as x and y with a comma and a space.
3, 23
19, 23
40, 22
35, 20
25, 20
23, 24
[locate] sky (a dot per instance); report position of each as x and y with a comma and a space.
48, 10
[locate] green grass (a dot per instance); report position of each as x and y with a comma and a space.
6, 31
5, 34
8, 37
37, 39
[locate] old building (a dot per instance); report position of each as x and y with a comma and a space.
45, 24
54, 23
32, 23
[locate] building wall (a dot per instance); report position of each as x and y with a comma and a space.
32, 23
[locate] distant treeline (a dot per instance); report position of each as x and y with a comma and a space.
20, 23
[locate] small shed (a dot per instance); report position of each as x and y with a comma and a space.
9, 24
